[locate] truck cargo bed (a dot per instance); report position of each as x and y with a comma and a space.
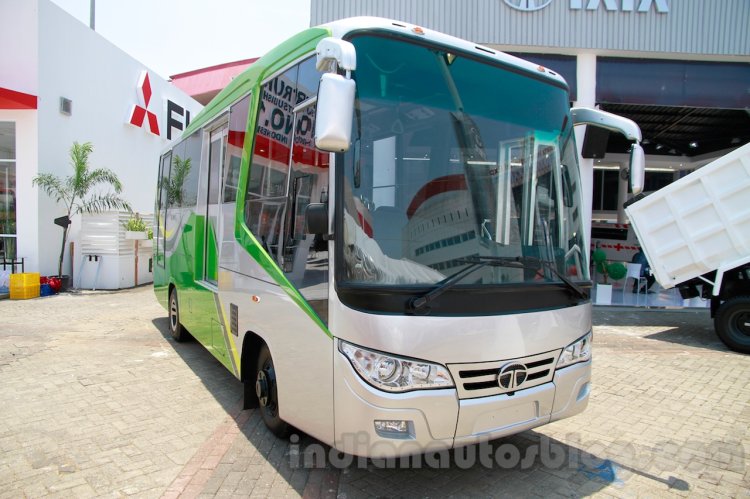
699, 223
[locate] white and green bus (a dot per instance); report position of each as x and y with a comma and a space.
378, 229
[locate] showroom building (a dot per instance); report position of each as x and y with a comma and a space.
679, 68
60, 83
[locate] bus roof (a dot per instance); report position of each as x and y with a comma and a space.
306, 41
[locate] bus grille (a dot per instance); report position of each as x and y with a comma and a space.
484, 379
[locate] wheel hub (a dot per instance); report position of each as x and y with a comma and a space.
173, 313
743, 322
262, 388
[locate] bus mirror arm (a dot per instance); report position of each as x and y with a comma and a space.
609, 121
316, 220
334, 52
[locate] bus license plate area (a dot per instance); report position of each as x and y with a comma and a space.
493, 417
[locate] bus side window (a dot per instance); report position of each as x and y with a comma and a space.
236, 140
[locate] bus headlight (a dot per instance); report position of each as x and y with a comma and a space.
578, 351
395, 374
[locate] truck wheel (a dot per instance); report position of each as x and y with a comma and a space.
175, 327
268, 399
732, 323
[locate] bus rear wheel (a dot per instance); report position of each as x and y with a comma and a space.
175, 326
268, 399
732, 323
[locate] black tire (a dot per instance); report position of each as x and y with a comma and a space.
176, 328
268, 399
732, 323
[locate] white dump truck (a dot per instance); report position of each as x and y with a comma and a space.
696, 235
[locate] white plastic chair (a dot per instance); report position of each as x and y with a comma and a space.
634, 271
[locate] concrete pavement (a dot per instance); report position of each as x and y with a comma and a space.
97, 401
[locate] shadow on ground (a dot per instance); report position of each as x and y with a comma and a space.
520, 465
690, 328
225, 388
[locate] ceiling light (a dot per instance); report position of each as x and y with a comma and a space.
659, 147
735, 140
672, 151
645, 142
693, 144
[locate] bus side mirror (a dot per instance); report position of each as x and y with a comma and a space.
333, 119
316, 218
637, 168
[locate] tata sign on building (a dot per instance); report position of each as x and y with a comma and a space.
675, 29
660, 6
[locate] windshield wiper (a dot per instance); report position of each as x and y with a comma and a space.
477, 262
529, 261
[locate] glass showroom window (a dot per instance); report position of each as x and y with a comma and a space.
7, 190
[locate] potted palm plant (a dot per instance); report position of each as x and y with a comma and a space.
75, 192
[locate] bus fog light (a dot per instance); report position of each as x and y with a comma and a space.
394, 428
578, 351
395, 374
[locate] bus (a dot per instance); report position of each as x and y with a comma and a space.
378, 229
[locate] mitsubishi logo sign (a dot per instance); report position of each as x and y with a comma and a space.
140, 112
528, 5
660, 6
177, 117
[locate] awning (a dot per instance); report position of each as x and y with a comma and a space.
203, 84
10, 99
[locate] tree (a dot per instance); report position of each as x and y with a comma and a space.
74, 191
615, 270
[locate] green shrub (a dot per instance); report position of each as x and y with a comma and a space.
136, 224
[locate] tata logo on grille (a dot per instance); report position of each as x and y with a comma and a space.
512, 376
528, 5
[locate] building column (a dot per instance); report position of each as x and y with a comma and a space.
586, 83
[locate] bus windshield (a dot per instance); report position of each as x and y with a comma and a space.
454, 158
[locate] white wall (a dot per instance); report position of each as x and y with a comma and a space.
20, 42
101, 80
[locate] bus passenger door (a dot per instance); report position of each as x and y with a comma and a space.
212, 234
305, 258
161, 216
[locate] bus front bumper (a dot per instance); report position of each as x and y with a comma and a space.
433, 420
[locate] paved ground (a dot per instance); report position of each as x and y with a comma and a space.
96, 400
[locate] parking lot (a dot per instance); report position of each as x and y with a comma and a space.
97, 400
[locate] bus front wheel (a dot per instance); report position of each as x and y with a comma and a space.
732, 323
268, 399
175, 326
